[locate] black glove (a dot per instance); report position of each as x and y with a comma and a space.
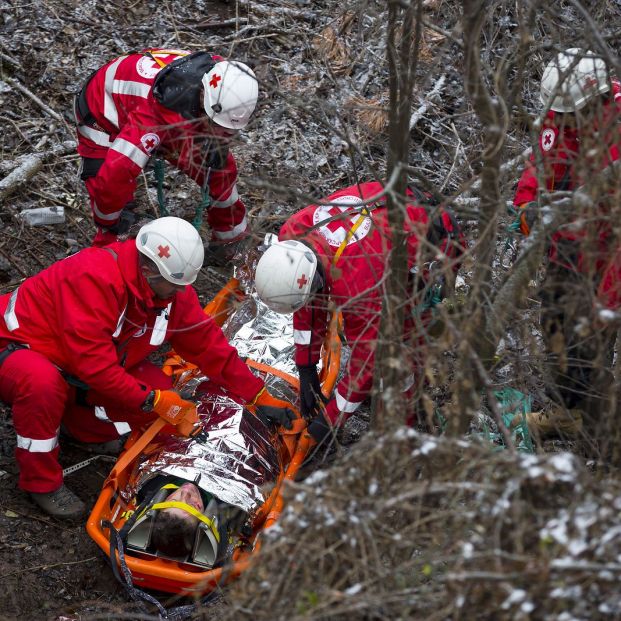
269, 414
318, 428
126, 220
310, 391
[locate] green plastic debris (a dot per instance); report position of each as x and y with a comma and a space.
513, 406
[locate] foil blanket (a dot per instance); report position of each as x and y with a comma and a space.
234, 458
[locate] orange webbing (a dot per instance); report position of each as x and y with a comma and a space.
259, 366
220, 307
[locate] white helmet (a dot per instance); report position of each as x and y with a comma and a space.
175, 246
284, 275
572, 78
230, 94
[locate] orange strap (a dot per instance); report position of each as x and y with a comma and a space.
259, 366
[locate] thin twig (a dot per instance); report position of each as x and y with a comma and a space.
47, 566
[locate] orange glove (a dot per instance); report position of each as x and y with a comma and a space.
269, 409
190, 425
177, 411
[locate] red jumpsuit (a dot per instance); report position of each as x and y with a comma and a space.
353, 285
567, 163
129, 125
93, 316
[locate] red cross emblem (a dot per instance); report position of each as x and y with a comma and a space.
149, 144
590, 83
302, 281
164, 252
547, 139
336, 224
215, 78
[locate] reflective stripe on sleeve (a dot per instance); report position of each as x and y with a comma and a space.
135, 154
346, 406
99, 138
160, 327
37, 446
127, 87
110, 111
302, 337
121, 427
10, 318
109, 217
234, 232
100, 413
227, 202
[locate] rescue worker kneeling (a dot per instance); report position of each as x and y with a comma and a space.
335, 255
76, 338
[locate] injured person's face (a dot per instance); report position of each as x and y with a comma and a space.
190, 495
174, 528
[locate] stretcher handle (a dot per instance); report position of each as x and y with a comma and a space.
128, 456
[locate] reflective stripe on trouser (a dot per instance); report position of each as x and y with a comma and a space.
37, 392
90, 424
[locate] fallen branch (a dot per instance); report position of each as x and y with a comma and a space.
30, 166
227, 23
269, 11
22, 89
435, 91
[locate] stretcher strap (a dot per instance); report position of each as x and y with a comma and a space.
116, 545
352, 231
177, 504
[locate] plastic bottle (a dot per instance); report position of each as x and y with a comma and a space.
42, 215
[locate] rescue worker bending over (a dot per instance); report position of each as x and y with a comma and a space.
337, 254
186, 107
74, 342
581, 135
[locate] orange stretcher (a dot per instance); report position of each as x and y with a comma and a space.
161, 574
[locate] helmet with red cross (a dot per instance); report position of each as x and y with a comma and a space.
287, 276
230, 92
175, 247
572, 78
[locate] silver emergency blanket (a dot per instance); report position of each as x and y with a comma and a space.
234, 460
263, 335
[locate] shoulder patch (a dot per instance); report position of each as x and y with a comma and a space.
150, 142
335, 231
147, 67
547, 139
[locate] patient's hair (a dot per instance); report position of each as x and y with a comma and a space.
172, 535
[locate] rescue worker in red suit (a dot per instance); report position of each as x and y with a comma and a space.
580, 136
186, 107
90, 321
335, 255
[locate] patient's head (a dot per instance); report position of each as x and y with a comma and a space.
174, 529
